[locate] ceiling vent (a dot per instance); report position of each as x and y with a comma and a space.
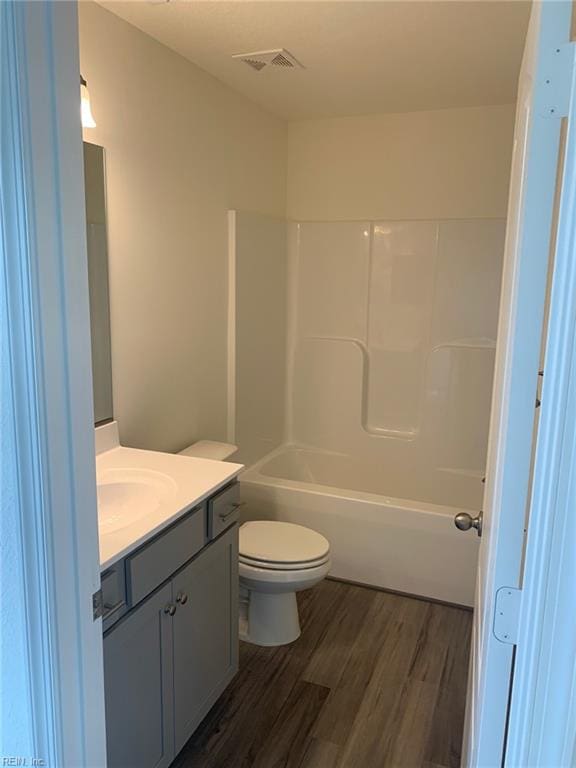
279, 57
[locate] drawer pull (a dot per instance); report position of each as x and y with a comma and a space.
181, 598
110, 609
233, 507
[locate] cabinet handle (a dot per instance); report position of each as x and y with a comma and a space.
233, 508
181, 598
110, 609
170, 609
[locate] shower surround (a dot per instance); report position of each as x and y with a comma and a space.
390, 330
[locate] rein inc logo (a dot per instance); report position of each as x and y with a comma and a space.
22, 761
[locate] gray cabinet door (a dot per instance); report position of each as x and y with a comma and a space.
138, 686
205, 630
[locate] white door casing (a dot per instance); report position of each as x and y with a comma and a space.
542, 722
57, 714
543, 98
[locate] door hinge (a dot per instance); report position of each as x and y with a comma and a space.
97, 605
555, 85
507, 614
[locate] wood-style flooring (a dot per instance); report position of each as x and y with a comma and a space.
376, 680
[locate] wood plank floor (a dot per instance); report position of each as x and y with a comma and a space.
376, 680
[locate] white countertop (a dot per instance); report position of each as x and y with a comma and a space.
185, 482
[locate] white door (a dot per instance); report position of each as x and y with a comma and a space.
543, 99
52, 708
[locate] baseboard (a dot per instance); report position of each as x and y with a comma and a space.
402, 594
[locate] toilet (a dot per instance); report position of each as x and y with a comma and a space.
276, 560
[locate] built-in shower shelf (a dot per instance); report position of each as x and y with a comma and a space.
480, 343
364, 383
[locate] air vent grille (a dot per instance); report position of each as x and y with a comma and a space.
281, 61
279, 57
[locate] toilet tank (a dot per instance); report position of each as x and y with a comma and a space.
210, 449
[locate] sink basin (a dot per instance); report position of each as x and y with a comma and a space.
127, 495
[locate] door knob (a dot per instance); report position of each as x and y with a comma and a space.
463, 521
181, 597
170, 609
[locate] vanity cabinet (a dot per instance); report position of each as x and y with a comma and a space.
205, 633
138, 688
170, 657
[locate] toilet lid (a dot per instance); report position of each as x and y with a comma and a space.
270, 541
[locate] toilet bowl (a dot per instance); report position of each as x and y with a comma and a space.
276, 560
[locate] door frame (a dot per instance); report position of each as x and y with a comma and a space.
529, 718
543, 99
49, 517
542, 721
44, 277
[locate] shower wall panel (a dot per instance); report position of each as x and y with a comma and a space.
258, 334
400, 303
392, 339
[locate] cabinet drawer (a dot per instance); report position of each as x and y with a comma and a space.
113, 585
223, 510
157, 561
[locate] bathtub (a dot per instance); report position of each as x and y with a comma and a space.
381, 529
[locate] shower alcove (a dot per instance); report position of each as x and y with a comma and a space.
361, 358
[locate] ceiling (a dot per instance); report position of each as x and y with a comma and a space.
360, 56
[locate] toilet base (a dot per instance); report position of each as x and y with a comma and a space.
272, 619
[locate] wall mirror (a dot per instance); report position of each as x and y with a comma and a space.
96, 236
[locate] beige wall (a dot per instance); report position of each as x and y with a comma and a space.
181, 149
451, 163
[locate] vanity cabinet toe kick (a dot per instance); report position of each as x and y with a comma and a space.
171, 633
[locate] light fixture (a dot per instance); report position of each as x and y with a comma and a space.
87, 117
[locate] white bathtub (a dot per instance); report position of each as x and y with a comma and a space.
380, 537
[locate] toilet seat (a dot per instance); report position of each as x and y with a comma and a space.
269, 580
273, 545
274, 566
